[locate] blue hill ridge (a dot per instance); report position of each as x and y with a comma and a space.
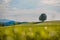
6, 22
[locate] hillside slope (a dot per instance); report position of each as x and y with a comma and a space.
40, 31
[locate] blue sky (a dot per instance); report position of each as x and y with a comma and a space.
24, 4
29, 10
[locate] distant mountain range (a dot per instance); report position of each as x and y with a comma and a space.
6, 22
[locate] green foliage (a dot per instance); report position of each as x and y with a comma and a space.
43, 17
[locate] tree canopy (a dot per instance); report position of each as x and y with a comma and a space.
42, 17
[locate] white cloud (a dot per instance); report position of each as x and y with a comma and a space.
3, 7
49, 2
7, 1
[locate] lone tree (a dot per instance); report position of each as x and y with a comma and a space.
42, 17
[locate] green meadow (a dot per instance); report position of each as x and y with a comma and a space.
49, 30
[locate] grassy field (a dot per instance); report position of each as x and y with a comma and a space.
32, 31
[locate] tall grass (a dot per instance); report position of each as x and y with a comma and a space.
41, 31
